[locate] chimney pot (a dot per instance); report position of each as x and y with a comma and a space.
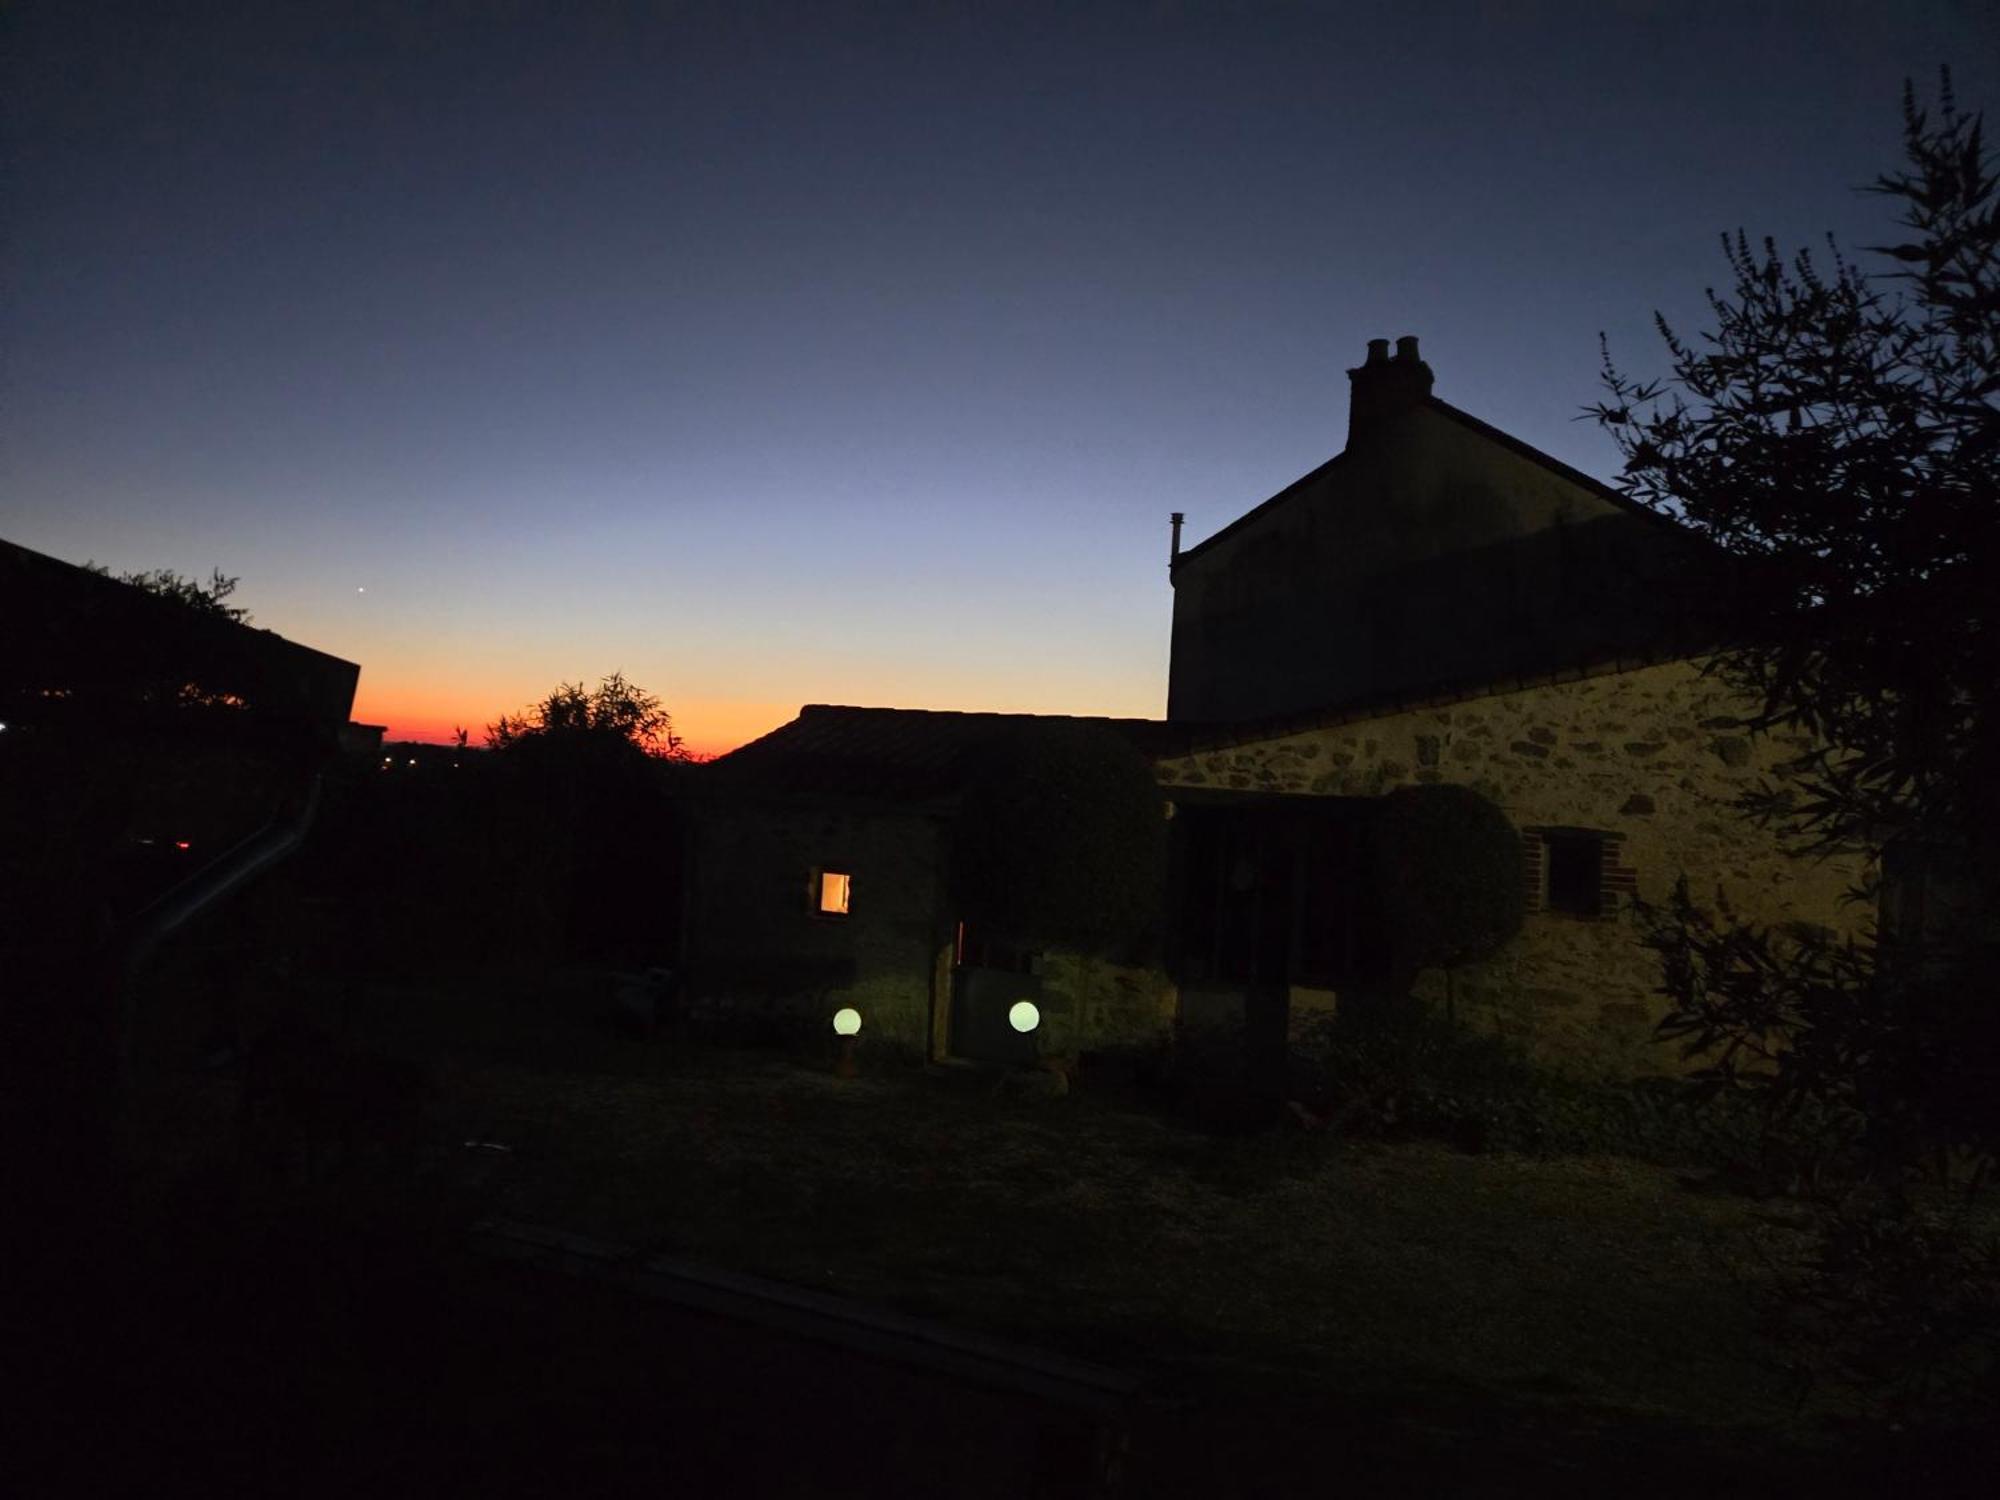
1382, 388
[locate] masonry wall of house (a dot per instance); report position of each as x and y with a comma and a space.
1097, 1003
1650, 760
757, 938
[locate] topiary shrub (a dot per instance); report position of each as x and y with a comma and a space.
1061, 841
1449, 870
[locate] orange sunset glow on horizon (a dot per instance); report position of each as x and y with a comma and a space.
709, 727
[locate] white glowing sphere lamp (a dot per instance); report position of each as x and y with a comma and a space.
847, 1020
1024, 1017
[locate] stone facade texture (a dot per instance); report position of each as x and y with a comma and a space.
1096, 1003
756, 939
1653, 756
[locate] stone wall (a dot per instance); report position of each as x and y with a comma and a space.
1655, 755
755, 938
1096, 1003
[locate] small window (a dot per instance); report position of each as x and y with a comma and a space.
832, 890
1576, 873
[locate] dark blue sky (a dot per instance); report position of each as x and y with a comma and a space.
774, 354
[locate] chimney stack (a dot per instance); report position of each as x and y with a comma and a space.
1382, 388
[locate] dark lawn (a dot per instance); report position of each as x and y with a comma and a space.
1303, 1292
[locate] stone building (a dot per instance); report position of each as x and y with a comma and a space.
1442, 602
820, 863
1438, 602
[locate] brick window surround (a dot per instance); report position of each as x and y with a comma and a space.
1615, 880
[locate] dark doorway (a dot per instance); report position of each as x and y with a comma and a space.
1274, 893
988, 979
1270, 893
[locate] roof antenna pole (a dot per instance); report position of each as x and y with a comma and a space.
1176, 518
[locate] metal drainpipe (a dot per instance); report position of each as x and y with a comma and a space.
208, 885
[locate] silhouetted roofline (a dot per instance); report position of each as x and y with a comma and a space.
1257, 510
79, 646
999, 716
912, 758
774, 738
1555, 465
1487, 430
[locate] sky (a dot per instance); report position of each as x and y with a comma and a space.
841, 353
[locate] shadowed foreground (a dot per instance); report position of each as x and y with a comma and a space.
312, 1358
1402, 1317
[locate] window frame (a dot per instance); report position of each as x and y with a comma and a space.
816, 890
1579, 845
1615, 880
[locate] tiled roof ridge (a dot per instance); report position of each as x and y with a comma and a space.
966, 713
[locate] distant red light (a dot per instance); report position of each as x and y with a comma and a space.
180, 843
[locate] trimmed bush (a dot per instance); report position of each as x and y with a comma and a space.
1061, 841
1449, 865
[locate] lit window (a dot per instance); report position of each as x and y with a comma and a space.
833, 893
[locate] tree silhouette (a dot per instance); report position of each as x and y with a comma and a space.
1838, 436
614, 712
1841, 442
586, 778
165, 582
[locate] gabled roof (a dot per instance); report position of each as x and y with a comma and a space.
902, 755
1486, 430
1297, 487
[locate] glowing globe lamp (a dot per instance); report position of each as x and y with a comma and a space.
847, 1020
1024, 1017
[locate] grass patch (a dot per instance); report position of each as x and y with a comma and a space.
1107, 1232
1585, 1292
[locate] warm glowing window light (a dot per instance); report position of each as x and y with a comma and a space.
833, 892
847, 1020
1024, 1017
